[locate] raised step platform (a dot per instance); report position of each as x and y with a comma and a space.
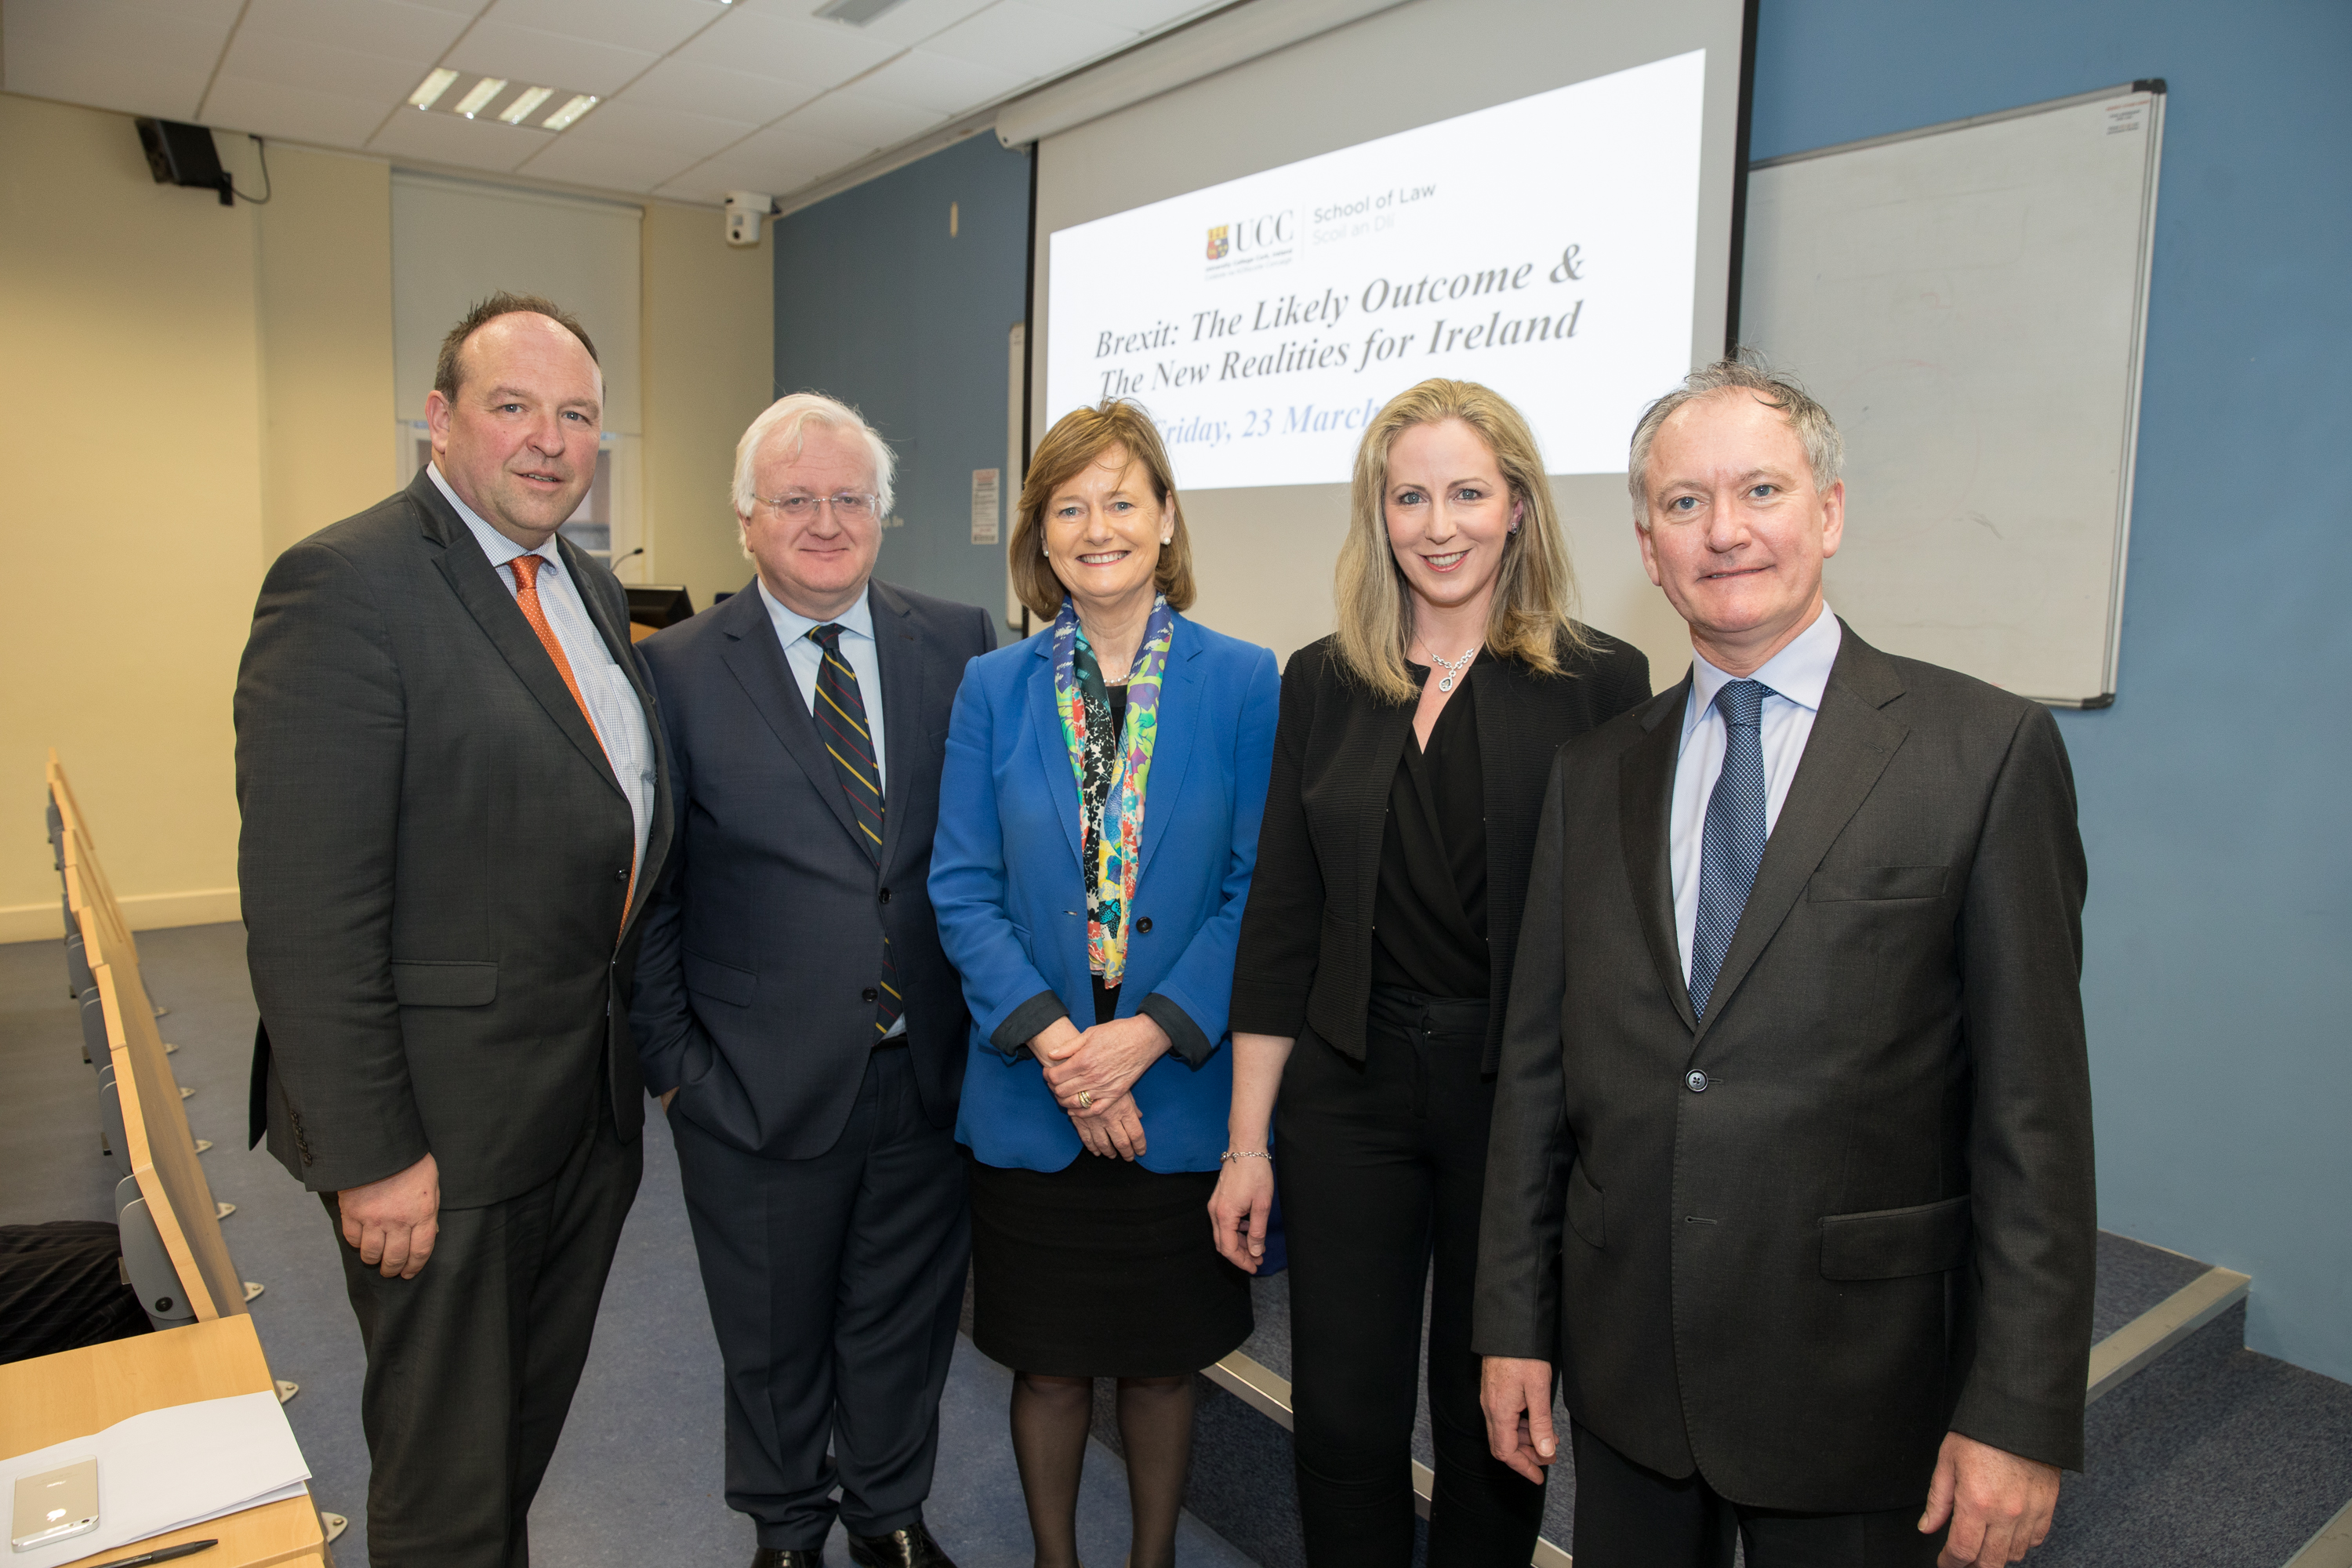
2200, 1451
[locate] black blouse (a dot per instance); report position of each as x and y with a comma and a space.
1429, 913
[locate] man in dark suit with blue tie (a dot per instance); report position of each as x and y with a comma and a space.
793, 1009
1790, 1176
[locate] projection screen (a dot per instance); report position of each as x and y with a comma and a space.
1537, 197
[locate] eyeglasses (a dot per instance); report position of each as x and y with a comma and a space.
847, 506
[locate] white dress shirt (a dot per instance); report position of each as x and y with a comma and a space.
857, 624
1796, 675
614, 710
806, 657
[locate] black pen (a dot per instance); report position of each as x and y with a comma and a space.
185, 1549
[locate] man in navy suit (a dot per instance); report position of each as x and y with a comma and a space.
793, 1009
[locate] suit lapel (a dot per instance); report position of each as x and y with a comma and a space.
756, 660
479, 588
899, 651
1171, 748
1849, 748
1646, 791
1053, 751
617, 643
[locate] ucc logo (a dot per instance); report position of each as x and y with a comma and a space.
1265, 232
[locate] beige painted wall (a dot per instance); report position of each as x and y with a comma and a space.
709, 367
131, 508
324, 286
191, 388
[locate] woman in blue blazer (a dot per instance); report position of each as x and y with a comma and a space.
1098, 821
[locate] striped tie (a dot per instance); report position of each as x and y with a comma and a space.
1731, 844
841, 724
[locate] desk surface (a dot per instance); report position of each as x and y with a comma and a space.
56, 1399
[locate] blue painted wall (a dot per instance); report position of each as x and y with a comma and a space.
877, 304
2219, 968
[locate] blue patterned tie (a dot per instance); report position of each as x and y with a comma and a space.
1732, 844
841, 724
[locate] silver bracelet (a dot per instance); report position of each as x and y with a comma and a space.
1231, 1154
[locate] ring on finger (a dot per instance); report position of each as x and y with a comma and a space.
1085, 1099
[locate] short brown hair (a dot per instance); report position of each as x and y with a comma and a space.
445, 369
1077, 438
1532, 616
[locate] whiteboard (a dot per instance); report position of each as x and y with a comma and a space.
1969, 302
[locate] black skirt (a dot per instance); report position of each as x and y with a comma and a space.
1101, 1269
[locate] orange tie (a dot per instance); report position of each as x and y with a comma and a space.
525, 575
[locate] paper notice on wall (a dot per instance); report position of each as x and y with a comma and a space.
986, 488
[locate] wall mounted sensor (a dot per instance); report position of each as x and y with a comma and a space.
745, 211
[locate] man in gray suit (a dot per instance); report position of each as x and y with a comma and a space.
795, 1009
1791, 1173
448, 764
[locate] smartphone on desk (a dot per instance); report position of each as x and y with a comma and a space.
55, 1505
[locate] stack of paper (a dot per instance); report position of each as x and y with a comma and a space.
165, 1468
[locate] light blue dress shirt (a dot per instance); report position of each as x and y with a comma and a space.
857, 624
614, 710
1797, 676
806, 657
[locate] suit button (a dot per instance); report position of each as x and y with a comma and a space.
1698, 1081
886, 895
868, 993
622, 875
1144, 925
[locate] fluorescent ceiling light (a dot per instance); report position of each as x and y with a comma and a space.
428, 91
856, 13
581, 103
526, 101
488, 88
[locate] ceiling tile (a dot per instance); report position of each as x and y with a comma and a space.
925, 80
1137, 16
446, 139
698, 88
170, 89
824, 54
615, 166
1026, 40
689, 136
655, 25
294, 62
847, 116
776, 161
528, 54
292, 113
190, 36
915, 20
392, 28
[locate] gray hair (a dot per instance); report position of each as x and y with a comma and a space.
788, 419
1824, 448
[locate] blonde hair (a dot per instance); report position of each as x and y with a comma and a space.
1532, 616
1077, 439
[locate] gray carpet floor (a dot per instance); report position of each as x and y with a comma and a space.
638, 1479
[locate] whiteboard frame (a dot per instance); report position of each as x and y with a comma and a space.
2135, 355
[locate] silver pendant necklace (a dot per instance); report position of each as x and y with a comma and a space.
1452, 666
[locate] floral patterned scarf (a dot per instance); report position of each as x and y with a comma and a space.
1112, 769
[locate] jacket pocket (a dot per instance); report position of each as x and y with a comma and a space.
1864, 883
720, 981
1894, 1243
424, 982
1587, 1208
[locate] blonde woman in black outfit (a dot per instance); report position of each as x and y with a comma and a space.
1410, 764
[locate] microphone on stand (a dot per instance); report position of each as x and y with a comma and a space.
640, 549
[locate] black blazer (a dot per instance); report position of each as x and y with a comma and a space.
1306, 939
1793, 1246
434, 863
751, 997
